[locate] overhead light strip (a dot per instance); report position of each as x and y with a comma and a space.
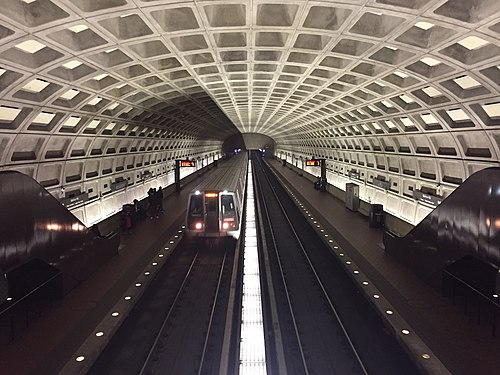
252, 345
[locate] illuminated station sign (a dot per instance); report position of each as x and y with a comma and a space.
313, 162
187, 163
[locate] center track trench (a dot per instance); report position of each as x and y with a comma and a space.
303, 290
326, 326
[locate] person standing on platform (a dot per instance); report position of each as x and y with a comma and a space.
151, 203
160, 199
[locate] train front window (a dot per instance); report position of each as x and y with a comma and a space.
211, 204
196, 206
227, 203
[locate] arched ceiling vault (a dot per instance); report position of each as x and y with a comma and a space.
394, 78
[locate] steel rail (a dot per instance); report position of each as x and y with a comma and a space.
334, 310
297, 335
278, 340
167, 317
212, 313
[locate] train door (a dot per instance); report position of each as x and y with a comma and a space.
211, 212
229, 213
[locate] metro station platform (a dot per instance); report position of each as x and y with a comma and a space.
52, 340
455, 338
463, 346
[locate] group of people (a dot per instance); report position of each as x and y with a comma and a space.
155, 202
134, 213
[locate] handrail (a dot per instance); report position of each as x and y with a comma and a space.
26, 296
489, 299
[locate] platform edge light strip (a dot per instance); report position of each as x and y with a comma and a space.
252, 346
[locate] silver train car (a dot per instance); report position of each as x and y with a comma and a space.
215, 206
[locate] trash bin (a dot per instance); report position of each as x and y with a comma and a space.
283, 162
376, 216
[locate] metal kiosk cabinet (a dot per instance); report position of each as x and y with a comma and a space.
352, 196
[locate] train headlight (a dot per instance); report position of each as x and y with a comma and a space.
225, 225
198, 226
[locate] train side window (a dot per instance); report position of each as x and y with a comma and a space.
227, 204
196, 206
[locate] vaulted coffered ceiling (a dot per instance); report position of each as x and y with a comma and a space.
386, 77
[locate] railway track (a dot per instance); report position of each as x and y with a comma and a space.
178, 326
325, 325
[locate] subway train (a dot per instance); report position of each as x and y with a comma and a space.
215, 206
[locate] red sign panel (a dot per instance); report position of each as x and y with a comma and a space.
187, 163
313, 162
